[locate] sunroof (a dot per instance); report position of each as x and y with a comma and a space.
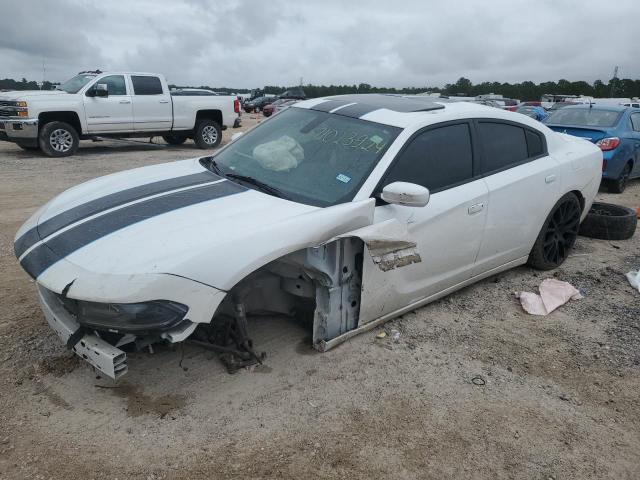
358, 105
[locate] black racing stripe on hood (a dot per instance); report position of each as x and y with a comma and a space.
80, 212
330, 105
41, 258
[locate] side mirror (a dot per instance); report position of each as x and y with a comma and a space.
236, 136
101, 90
407, 194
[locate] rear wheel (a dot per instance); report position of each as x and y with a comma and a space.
208, 134
58, 139
175, 139
618, 185
558, 234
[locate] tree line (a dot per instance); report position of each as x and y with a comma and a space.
524, 91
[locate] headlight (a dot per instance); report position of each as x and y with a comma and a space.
127, 317
21, 109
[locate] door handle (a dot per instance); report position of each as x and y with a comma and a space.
125, 101
475, 208
164, 101
550, 179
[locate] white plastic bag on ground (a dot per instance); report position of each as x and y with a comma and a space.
553, 293
278, 155
634, 279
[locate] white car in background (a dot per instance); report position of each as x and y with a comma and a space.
346, 211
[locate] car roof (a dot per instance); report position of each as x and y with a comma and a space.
396, 110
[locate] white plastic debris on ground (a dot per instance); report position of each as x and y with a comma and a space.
278, 155
634, 279
553, 293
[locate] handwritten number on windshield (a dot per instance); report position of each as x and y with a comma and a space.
348, 139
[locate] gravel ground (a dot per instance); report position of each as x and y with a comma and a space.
560, 397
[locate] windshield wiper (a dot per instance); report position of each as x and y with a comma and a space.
254, 181
210, 164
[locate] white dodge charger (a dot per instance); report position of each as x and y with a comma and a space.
343, 211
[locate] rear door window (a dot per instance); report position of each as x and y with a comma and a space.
438, 159
146, 85
503, 146
635, 121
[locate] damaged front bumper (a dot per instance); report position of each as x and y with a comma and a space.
103, 356
99, 346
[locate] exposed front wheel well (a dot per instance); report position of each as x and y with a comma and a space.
67, 117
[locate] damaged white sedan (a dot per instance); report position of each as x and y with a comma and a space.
343, 211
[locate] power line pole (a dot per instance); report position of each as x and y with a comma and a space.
612, 93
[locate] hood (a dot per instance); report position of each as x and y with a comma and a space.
22, 94
177, 219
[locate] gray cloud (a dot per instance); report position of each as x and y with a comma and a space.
254, 43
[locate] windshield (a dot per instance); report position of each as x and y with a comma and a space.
311, 157
584, 117
76, 83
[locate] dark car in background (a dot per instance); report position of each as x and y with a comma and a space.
615, 129
257, 104
293, 94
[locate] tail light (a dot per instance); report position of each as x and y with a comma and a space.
607, 144
604, 165
236, 105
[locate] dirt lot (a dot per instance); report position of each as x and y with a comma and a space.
561, 397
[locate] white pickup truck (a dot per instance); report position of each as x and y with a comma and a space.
112, 104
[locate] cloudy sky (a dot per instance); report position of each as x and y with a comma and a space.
251, 43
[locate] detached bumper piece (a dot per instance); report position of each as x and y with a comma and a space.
106, 358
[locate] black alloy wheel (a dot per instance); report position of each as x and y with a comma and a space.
558, 234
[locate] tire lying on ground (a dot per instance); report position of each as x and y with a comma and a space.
609, 222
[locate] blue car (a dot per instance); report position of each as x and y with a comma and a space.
615, 129
533, 111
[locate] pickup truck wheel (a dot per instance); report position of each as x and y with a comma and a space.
175, 139
558, 234
58, 139
208, 134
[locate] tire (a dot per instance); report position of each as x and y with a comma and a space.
609, 222
58, 139
28, 148
619, 184
175, 139
558, 234
208, 134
